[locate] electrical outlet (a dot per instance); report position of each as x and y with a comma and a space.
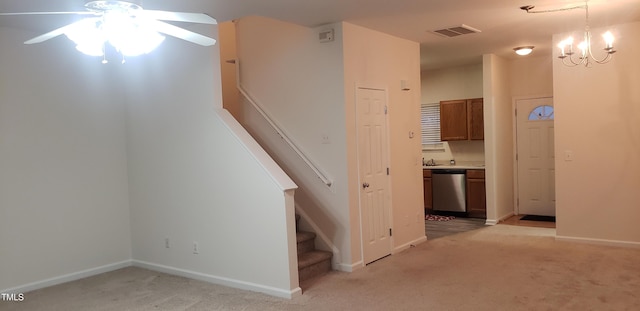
196, 248
167, 244
325, 139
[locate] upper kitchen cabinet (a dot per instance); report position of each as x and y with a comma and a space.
461, 119
475, 119
453, 120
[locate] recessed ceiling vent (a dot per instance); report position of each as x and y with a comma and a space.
456, 31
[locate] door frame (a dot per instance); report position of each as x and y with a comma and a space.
389, 194
514, 123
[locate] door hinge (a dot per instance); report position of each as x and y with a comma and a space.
385, 110
390, 232
387, 171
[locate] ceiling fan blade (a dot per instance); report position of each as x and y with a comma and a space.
52, 34
181, 33
199, 18
49, 13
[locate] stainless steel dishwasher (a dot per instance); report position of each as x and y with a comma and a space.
449, 190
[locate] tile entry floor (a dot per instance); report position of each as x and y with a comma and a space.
437, 229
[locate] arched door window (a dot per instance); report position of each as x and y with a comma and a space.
539, 113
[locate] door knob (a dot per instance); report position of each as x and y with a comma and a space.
365, 185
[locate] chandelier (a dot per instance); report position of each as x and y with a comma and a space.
584, 56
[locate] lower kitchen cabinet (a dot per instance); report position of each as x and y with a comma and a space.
476, 194
428, 190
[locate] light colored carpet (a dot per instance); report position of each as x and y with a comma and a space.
494, 268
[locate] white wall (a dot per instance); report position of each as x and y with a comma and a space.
193, 180
498, 137
598, 119
448, 84
230, 93
375, 59
531, 76
451, 83
308, 88
64, 210
94, 156
298, 81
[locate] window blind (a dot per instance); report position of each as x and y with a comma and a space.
430, 121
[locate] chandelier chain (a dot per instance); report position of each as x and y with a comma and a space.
529, 9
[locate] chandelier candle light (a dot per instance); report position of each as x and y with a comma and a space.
566, 47
585, 55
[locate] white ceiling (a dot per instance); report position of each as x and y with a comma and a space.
503, 25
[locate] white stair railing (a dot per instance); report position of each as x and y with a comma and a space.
278, 128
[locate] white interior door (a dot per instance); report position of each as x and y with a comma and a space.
535, 154
374, 181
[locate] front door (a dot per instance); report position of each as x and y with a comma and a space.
371, 110
535, 157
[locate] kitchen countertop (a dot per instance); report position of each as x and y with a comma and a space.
457, 166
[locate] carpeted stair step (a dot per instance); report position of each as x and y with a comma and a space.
313, 263
305, 241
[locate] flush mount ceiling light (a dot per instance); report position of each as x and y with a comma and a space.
131, 30
585, 56
524, 50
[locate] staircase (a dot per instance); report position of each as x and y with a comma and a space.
311, 262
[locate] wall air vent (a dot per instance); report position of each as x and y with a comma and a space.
456, 31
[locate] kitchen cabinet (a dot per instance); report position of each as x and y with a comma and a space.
475, 118
476, 194
462, 119
428, 190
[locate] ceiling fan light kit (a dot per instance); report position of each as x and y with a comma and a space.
126, 26
105, 5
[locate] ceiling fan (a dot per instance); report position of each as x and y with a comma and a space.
125, 25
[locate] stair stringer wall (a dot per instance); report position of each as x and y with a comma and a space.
309, 207
298, 82
205, 200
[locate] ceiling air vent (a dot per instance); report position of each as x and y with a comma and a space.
456, 31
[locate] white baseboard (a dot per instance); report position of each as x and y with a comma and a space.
360, 264
68, 277
415, 242
493, 222
273, 291
599, 241
349, 267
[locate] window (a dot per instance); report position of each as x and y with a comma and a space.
541, 113
430, 121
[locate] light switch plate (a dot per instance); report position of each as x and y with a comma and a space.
568, 155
